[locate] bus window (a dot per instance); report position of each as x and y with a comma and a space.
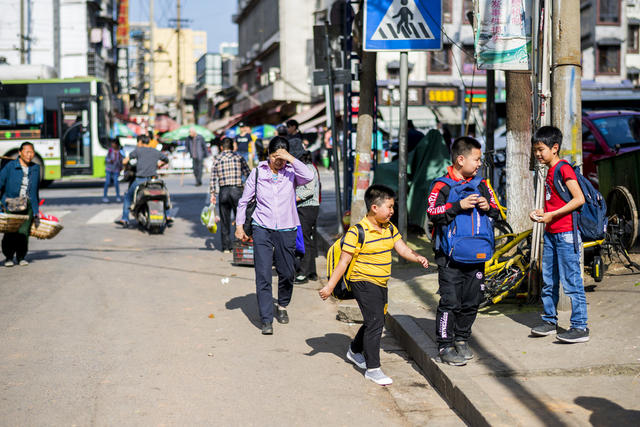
76, 138
20, 112
104, 114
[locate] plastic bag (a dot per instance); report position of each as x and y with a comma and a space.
208, 218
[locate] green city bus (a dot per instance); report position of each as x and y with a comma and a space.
67, 120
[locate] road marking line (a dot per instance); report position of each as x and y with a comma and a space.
57, 214
105, 216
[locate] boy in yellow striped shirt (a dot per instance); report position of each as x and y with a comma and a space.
369, 276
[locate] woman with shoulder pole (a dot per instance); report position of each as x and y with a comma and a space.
274, 226
20, 180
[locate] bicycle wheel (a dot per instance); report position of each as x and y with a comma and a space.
621, 209
500, 285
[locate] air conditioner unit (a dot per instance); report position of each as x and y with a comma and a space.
274, 74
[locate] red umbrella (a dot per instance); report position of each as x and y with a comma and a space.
165, 124
136, 128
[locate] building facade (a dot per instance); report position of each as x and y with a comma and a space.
275, 51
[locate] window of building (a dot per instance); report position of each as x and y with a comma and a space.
633, 39
446, 11
609, 12
440, 61
608, 60
467, 6
469, 62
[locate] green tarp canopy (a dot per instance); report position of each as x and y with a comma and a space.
427, 162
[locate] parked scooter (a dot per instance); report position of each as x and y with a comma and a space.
150, 205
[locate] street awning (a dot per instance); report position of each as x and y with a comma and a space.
221, 123
633, 71
609, 41
305, 127
309, 114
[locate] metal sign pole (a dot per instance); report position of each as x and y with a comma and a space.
402, 144
334, 130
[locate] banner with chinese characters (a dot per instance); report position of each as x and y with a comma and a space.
503, 34
122, 35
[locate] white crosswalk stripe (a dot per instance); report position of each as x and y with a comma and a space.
105, 216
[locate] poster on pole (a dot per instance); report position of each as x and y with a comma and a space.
503, 34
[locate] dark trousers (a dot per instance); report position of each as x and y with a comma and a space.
270, 246
228, 202
372, 300
460, 295
15, 244
197, 170
308, 216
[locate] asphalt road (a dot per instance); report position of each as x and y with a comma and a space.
108, 326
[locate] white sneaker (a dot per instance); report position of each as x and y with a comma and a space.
118, 199
377, 376
9, 263
105, 199
23, 262
357, 359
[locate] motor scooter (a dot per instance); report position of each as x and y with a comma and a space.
151, 203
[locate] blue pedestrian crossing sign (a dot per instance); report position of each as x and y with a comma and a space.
402, 25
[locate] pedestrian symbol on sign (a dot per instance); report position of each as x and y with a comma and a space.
403, 21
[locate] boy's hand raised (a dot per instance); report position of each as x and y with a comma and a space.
469, 202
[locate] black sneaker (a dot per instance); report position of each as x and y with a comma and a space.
546, 328
313, 277
281, 315
463, 350
574, 335
267, 329
450, 356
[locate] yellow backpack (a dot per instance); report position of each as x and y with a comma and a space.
342, 290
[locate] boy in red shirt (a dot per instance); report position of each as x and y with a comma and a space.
561, 259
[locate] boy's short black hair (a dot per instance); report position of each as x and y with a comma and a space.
377, 194
548, 135
462, 146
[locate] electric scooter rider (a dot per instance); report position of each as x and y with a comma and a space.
148, 161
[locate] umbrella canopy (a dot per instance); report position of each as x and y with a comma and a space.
232, 132
264, 131
120, 129
183, 133
137, 129
164, 123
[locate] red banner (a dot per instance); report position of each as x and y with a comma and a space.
122, 35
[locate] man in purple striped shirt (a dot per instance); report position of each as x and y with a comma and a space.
275, 221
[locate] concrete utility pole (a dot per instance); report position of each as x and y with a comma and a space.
152, 65
402, 145
22, 36
179, 88
566, 101
520, 193
364, 132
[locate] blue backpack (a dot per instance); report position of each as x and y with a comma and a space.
591, 218
469, 238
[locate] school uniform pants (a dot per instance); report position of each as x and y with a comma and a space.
269, 247
372, 300
460, 295
308, 216
228, 202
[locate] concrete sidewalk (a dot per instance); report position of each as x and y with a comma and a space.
517, 379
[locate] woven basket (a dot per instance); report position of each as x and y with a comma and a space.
46, 229
10, 223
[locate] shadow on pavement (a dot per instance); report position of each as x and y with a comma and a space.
43, 255
330, 343
608, 413
249, 306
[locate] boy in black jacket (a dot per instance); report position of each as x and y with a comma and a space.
460, 285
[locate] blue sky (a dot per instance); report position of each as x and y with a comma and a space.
212, 16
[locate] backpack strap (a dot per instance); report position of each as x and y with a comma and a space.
566, 196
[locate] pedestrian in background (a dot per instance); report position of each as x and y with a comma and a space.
198, 151
275, 222
308, 200
20, 178
245, 144
227, 172
113, 166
